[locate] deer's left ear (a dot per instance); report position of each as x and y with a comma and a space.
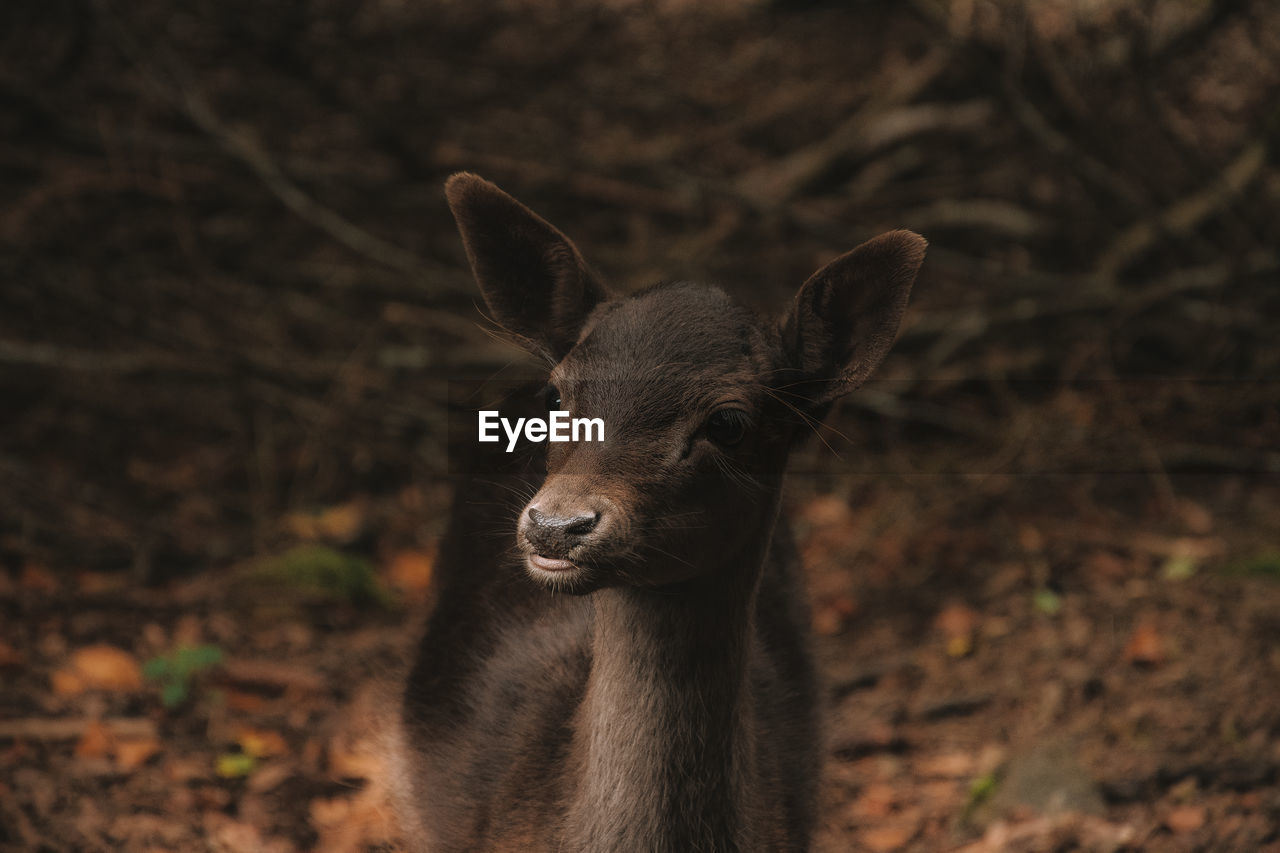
532, 277
846, 315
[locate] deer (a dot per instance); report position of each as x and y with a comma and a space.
617, 653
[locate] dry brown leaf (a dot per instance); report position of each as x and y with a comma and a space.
241, 700
957, 622
875, 802
66, 682
341, 523
1186, 818
10, 658
1195, 516
1145, 645
832, 614
107, 668
37, 578
226, 835
132, 754
98, 583
949, 765
95, 742
885, 838
1109, 565
410, 572
1031, 539
826, 511
261, 743
270, 777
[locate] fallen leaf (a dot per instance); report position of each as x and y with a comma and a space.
1145, 646
825, 511
832, 614
10, 658
876, 801
240, 700
98, 668
95, 742
1109, 565
1196, 516
957, 622
886, 838
37, 578
98, 583
271, 777
1185, 818
949, 765
226, 835
233, 765
410, 572
340, 524
1047, 601
132, 754
261, 743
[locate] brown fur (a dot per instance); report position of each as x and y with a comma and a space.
659, 695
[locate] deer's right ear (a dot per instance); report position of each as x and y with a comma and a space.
846, 315
532, 277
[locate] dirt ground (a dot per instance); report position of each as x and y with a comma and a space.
1042, 548
1133, 707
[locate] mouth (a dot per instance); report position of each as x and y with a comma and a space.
553, 565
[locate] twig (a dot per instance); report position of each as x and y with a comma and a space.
273, 674
775, 182
43, 728
1183, 216
248, 151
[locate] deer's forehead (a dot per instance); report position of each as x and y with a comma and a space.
690, 328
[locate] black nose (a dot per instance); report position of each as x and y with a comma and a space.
554, 535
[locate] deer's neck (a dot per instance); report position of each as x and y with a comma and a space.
664, 733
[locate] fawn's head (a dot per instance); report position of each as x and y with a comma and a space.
701, 398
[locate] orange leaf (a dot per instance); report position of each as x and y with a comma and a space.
132, 754
1185, 818
876, 801
10, 658
948, 765
106, 668
261, 743
340, 523
38, 579
410, 572
957, 622
66, 682
826, 511
95, 742
885, 838
1145, 646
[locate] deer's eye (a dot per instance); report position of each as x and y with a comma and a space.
551, 397
727, 426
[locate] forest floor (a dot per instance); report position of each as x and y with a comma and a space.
999, 680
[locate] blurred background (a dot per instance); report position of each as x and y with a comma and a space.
1042, 546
